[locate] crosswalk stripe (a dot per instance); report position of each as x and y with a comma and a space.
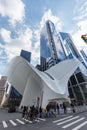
20, 121
42, 119
62, 119
27, 120
4, 124
68, 120
79, 126
37, 120
73, 123
13, 123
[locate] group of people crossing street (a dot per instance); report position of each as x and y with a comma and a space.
33, 112
51, 110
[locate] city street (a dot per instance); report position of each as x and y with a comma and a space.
10, 121
43, 65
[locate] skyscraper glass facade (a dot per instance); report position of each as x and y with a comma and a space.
77, 82
69, 45
26, 55
55, 48
51, 51
84, 57
70, 48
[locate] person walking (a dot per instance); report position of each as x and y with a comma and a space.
40, 112
24, 112
64, 107
58, 108
73, 107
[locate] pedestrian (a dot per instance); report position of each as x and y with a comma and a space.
73, 107
32, 113
24, 112
40, 112
64, 107
36, 112
48, 110
58, 108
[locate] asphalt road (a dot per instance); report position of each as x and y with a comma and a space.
12, 121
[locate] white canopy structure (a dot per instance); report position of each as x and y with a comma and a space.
40, 87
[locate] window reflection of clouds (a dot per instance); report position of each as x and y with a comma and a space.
59, 48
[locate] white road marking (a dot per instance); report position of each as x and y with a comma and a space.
73, 123
68, 120
27, 120
20, 121
4, 124
79, 126
13, 123
62, 119
37, 120
42, 119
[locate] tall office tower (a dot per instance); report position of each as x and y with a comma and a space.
51, 51
83, 55
70, 48
69, 45
55, 48
26, 55
77, 82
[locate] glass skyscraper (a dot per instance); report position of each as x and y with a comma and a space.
84, 56
69, 45
55, 48
70, 48
26, 55
51, 51
77, 82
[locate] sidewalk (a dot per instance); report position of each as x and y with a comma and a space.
78, 109
4, 115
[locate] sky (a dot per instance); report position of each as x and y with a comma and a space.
21, 22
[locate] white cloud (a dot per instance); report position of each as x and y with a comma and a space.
13, 9
3, 69
25, 38
5, 34
81, 24
14, 46
36, 47
56, 20
81, 10
1, 47
22, 41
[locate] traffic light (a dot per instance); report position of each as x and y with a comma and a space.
84, 37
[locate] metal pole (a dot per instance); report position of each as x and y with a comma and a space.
73, 91
83, 96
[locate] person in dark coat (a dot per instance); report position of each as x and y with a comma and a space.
58, 108
32, 113
73, 108
36, 112
64, 107
40, 111
24, 111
